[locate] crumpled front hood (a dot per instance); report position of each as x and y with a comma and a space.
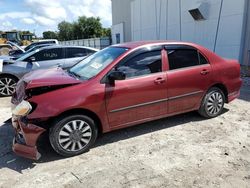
49, 77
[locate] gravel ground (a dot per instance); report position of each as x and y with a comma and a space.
181, 151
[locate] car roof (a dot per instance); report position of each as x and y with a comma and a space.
61, 46
137, 44
47, 44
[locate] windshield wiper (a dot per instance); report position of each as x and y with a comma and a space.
73, 74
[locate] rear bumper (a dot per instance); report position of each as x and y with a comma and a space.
234, 95
26, 135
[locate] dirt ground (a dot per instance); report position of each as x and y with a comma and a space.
181, 151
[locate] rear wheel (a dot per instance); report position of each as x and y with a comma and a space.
213, 103
73, 135
7, 85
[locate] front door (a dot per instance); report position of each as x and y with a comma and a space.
50, 57
142, 95
188, 78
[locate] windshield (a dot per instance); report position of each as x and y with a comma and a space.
95, 63
34, 48
26, 55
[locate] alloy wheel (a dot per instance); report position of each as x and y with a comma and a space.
75, 135
7, 86
214, 103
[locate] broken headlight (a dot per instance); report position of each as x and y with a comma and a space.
22, 108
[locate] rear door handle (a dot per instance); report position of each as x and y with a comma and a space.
204, 72
159, 80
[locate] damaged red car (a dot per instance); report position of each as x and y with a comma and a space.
117, 87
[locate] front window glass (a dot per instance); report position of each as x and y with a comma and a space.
95, 63
142, 64
49, 54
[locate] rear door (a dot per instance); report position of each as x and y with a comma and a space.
188, 78
143, 94
74, 55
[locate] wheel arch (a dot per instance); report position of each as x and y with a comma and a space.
86, 112
223, 89
8, 74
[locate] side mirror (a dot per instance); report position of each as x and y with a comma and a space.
116, 75
31, 59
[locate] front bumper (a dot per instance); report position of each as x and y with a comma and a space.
26, 135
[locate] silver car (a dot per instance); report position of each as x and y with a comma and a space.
63, 56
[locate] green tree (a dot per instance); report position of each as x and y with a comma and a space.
89, 27
106, 32
25, 32
65, 31
50, 35
83, 28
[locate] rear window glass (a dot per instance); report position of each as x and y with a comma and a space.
182, 58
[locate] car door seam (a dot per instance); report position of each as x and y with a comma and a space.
156, 101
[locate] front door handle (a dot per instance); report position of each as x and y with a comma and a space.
204, 72
159, 80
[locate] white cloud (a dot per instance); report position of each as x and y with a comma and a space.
43, 21
46, 12
101, 8
28, 21
14, 15
41, 14
6, 25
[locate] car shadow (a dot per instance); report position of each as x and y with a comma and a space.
9, 160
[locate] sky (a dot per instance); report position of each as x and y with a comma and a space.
43, 15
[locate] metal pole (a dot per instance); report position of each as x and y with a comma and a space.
218, 24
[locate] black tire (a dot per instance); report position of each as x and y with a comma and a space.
60, 128
4, 79
210, 108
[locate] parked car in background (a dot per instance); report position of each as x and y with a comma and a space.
4, 49
117, 87
19, 51
45, 41
16, 49
16, 56
11, 47
63, 56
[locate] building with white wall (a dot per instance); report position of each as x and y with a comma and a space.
222, 26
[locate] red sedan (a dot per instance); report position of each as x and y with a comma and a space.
120, 86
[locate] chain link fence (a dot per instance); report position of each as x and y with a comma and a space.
98, 43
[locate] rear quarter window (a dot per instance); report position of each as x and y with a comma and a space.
202, 59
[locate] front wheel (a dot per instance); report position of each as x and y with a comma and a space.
7, 85
213, 103
73, 135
